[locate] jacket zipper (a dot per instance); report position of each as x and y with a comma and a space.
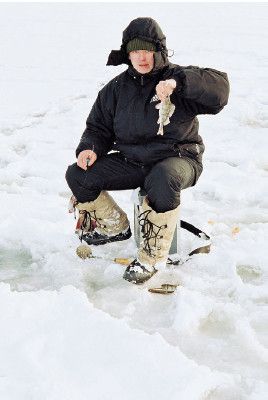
141, 80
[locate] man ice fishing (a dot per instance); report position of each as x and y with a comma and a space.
158, 149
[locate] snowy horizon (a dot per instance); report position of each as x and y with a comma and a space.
74, 329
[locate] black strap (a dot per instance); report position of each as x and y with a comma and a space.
197, 232
191, 228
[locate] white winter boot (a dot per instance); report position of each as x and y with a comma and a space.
102, 221
157, 233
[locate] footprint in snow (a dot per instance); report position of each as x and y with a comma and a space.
249, 274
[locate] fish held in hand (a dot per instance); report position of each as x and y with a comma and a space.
166, 109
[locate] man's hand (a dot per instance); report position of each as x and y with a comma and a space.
165, 88
86, 158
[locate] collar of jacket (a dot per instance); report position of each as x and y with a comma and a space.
145, 78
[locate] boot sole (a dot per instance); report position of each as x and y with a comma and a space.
99, 242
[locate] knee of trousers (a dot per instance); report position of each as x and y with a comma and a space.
163, 189
73, 178
76, 179
70, 176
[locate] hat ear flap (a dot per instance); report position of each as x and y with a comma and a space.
117, 57
160, 59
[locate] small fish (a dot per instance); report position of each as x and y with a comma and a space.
166, 109
166, 288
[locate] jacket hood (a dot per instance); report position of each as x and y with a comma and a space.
145, 29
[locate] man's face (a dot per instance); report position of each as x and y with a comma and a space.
142, 60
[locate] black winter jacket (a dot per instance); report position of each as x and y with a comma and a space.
124, 116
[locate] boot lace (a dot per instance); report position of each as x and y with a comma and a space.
88, 222
151, 233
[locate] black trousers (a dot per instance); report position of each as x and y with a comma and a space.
162, 181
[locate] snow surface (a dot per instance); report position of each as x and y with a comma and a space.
73, 329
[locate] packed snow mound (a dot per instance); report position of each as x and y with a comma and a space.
57, 345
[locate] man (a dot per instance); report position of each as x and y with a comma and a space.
124, 119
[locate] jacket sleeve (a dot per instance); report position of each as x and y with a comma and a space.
203, 90
99, 135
